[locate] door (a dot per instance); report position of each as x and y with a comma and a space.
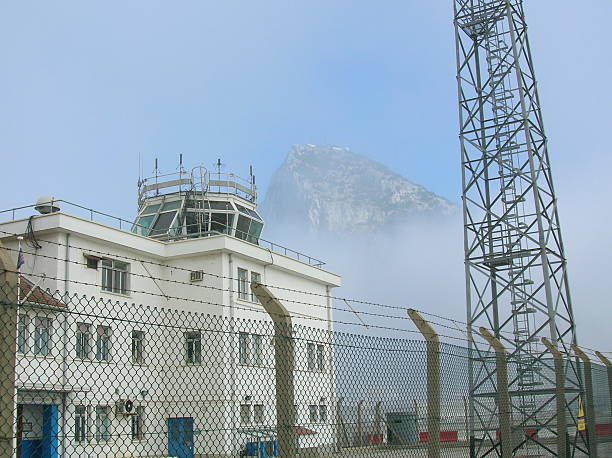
180, 437
37, 430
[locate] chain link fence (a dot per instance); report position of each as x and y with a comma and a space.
94, 377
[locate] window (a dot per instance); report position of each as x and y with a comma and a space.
92, 262
258, 414
220, 205
42, 336
193, 347
80, 423
256, 356
138, 423
23, 334
173, 205
103, 343
242, 284
245, 414
162, 223
255, 232
320, 358
137, 347
243, 348
316, 357
102, 423
255, 278
322, 413
313, 413
242, 227
143, 225
83, 341
244, 291
221, 223
250, 349
114, 276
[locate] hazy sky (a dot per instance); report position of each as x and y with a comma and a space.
86, 86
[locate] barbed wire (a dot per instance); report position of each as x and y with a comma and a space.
217, 288
346, 310
104, 318
238, 307
253, 309
231, 278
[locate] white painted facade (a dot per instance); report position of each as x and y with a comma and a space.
210, 390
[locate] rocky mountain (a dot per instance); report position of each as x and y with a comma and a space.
333, 189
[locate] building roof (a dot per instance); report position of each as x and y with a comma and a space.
33, 294
170, 250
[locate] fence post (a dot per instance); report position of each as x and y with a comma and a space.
8, 348
560, 397
590, 407
433, 383
359, 423
503, 397
467, 420
341, 434
608, 365
378, 420
284, 366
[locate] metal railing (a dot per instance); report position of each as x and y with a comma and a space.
127, 225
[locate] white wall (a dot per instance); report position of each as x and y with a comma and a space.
165, 384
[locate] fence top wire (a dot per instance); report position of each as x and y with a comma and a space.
208, 323
110, 302
452, 327
183, 320
238, 307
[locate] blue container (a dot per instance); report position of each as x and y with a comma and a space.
262, 449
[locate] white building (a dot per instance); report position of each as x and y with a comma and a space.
160, 318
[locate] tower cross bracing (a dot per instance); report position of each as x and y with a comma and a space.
516, 279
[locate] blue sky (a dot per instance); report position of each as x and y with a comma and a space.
87, 86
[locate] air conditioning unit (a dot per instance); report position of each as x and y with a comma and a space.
125, 407
196, 275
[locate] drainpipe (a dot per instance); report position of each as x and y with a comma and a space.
233, 343
8, 331
65, 340
333, 398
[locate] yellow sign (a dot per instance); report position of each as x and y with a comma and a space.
580, 423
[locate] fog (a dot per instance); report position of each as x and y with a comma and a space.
420, 264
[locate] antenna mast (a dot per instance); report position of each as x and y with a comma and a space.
514, 259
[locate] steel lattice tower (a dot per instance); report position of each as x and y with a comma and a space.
516, 279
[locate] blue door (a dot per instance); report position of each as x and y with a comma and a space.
180, 437
37, 431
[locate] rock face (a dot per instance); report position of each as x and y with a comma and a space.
332, 189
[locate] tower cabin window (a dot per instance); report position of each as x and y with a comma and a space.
221, 223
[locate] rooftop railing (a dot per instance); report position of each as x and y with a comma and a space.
128, 225
199, 180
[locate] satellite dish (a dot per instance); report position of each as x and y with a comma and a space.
47, 204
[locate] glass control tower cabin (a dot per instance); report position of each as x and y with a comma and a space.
197, 203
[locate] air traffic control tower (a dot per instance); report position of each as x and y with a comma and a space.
197, 203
